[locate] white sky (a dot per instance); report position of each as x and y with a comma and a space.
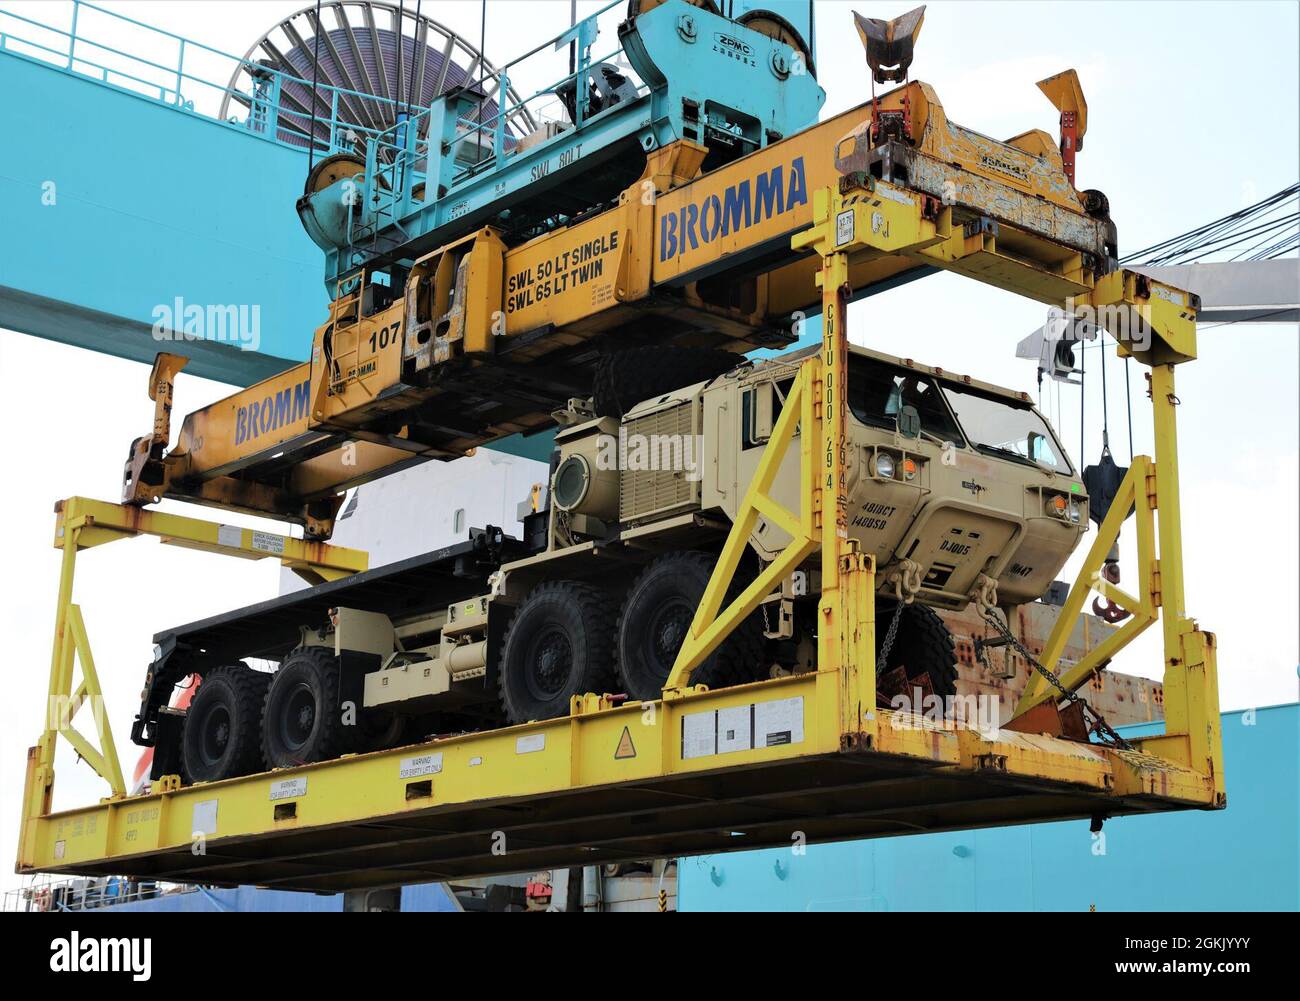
1192, 114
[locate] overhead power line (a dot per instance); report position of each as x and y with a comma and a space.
1264, 231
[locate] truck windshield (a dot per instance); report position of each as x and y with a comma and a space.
1000, 426
878, 391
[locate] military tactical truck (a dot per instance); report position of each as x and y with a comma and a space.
958, 488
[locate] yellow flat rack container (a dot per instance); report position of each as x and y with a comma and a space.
803, 757
604, 786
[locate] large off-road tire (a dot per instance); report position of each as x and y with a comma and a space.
923, 646
221, 737
628, 377
557, 645
655, 619
302, 720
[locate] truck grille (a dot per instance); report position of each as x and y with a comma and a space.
654, 477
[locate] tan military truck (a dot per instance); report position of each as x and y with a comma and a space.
958, 488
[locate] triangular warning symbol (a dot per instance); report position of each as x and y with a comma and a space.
625, 747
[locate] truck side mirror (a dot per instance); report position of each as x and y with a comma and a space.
909, 422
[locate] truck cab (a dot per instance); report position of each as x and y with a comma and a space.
956, 479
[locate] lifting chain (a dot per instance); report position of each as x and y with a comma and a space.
890, 635
906, 578
1097, 723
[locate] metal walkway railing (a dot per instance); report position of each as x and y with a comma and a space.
96, 44
49, 893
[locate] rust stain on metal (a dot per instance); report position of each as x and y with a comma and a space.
1122, 698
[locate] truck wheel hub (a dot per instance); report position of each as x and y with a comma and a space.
669, 630
553, 660
300, 716
216, 734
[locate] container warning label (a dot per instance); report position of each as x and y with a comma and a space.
625, 749
735, 729
423, 764
267, 543
778, 722
743, 728
289, 788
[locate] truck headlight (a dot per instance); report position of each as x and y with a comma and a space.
884, 465
572, 482
1075, 512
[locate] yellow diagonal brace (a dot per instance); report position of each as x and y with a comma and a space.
1117, 595
1038, 690
712, 624
89, 754
778, 515
698, 647
1078, 674
105, 761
